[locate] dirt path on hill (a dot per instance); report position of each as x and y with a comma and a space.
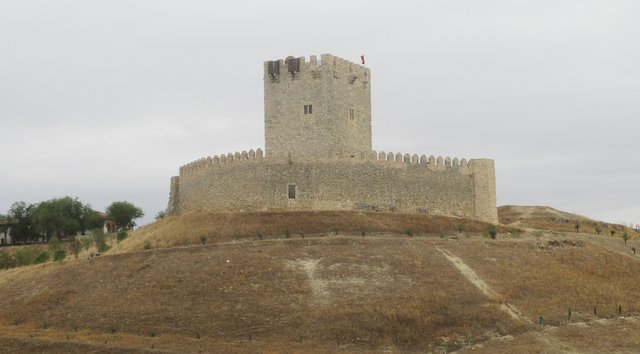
479, 283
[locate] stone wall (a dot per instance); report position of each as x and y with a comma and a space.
339, 93
330, 180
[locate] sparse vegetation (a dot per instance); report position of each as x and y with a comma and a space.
625, 237
42, 258
121, 235
598, 229
203, 239
24, 256
7, 260
59, 256
569, 314
100, 240
577, 226
75, 247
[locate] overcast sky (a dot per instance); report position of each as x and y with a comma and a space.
104, 100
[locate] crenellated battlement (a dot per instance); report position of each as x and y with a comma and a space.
329, 66
435, 163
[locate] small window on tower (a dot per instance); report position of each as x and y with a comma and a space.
308, 109
292, 191
352, 113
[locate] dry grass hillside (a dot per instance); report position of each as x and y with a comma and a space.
217, 227
546, 218
433, 289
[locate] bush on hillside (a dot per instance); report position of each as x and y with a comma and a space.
7, 260
24, 256
493, 232
75, 247
121, 235
42, 258
59, 256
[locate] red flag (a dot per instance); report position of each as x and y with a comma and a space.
362, 59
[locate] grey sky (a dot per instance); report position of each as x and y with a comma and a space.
104, 100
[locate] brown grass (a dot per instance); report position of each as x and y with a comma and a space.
222, 227
546, 218
325, 293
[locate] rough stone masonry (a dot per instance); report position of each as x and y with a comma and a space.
318, 156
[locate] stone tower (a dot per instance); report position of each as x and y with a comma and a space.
317, 105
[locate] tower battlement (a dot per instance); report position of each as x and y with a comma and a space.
291, 69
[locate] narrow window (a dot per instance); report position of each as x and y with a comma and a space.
308, 109
352, 113
292, 191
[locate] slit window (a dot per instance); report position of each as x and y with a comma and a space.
352, 113
292, 191
308, 109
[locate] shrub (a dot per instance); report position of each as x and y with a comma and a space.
121, 235
569, 314
461, 227
409, 232
100, 240
577, 226
625, 237
42, 258
24, 256
86, 243
59, 256
598, 229
287, 233
75, 247
203, 239
493, 232
54, 244
147, 245
541, 320
7, 260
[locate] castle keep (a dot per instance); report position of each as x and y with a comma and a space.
318, 156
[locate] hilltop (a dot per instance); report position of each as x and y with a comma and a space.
420, 285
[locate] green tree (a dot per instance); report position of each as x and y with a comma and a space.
90, 219
123, 214
64, 217
577, 226
20, 214
625, 237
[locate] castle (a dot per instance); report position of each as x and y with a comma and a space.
318, 156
